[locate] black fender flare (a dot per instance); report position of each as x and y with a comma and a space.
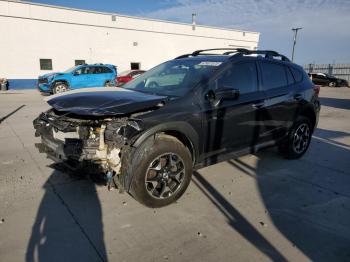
308, 110
58, 81
179, 127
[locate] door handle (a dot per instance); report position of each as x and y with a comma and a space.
258, 105
298, 97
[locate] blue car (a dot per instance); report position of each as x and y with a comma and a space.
80, 76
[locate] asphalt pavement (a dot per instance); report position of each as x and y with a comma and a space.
259, 207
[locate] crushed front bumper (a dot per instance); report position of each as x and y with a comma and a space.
66, 141
44, 88
93, 144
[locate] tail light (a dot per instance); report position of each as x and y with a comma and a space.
117, 80
317, 89
124, 79
128, 78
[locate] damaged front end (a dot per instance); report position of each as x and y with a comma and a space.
93, 142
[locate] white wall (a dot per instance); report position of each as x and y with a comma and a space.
29, 32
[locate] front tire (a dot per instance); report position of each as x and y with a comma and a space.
332, 84
60, 88
161, 171
298, 139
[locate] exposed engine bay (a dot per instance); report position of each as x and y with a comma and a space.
77, 140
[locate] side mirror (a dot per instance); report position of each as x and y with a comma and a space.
226, 93
75, 73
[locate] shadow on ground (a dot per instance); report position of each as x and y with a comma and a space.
236, 220
10, 114
335, 102
331, 135
308, 201
57, 234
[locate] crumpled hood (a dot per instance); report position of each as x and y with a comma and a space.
104, 101
50, 75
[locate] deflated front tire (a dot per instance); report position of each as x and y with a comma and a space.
161, 170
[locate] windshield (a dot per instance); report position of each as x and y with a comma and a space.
173, 78
70, 69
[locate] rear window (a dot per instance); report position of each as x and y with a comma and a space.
298, 75
125, 73
135, 73
273, 75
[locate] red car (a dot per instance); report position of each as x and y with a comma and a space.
127, 76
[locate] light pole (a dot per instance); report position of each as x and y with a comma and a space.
295, 39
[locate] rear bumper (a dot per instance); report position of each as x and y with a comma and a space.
119, 84
317, 106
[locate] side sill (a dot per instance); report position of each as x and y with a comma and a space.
234, 154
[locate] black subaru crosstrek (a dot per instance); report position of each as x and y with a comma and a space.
184, 114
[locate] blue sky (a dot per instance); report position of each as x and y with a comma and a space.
325, 37
132, 7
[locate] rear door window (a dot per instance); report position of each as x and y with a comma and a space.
298, 75
290, 77
273, 75
92, 70
241, 76
106, 70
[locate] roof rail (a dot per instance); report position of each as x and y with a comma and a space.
267, 53
198, 52
234, 51
183, 56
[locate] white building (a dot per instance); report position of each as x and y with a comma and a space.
30, 32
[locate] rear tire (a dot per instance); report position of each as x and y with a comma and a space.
108, 84
298, 140
161, 170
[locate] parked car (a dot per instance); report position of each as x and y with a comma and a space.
327, 80
148, 139
81, 76
127, 76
